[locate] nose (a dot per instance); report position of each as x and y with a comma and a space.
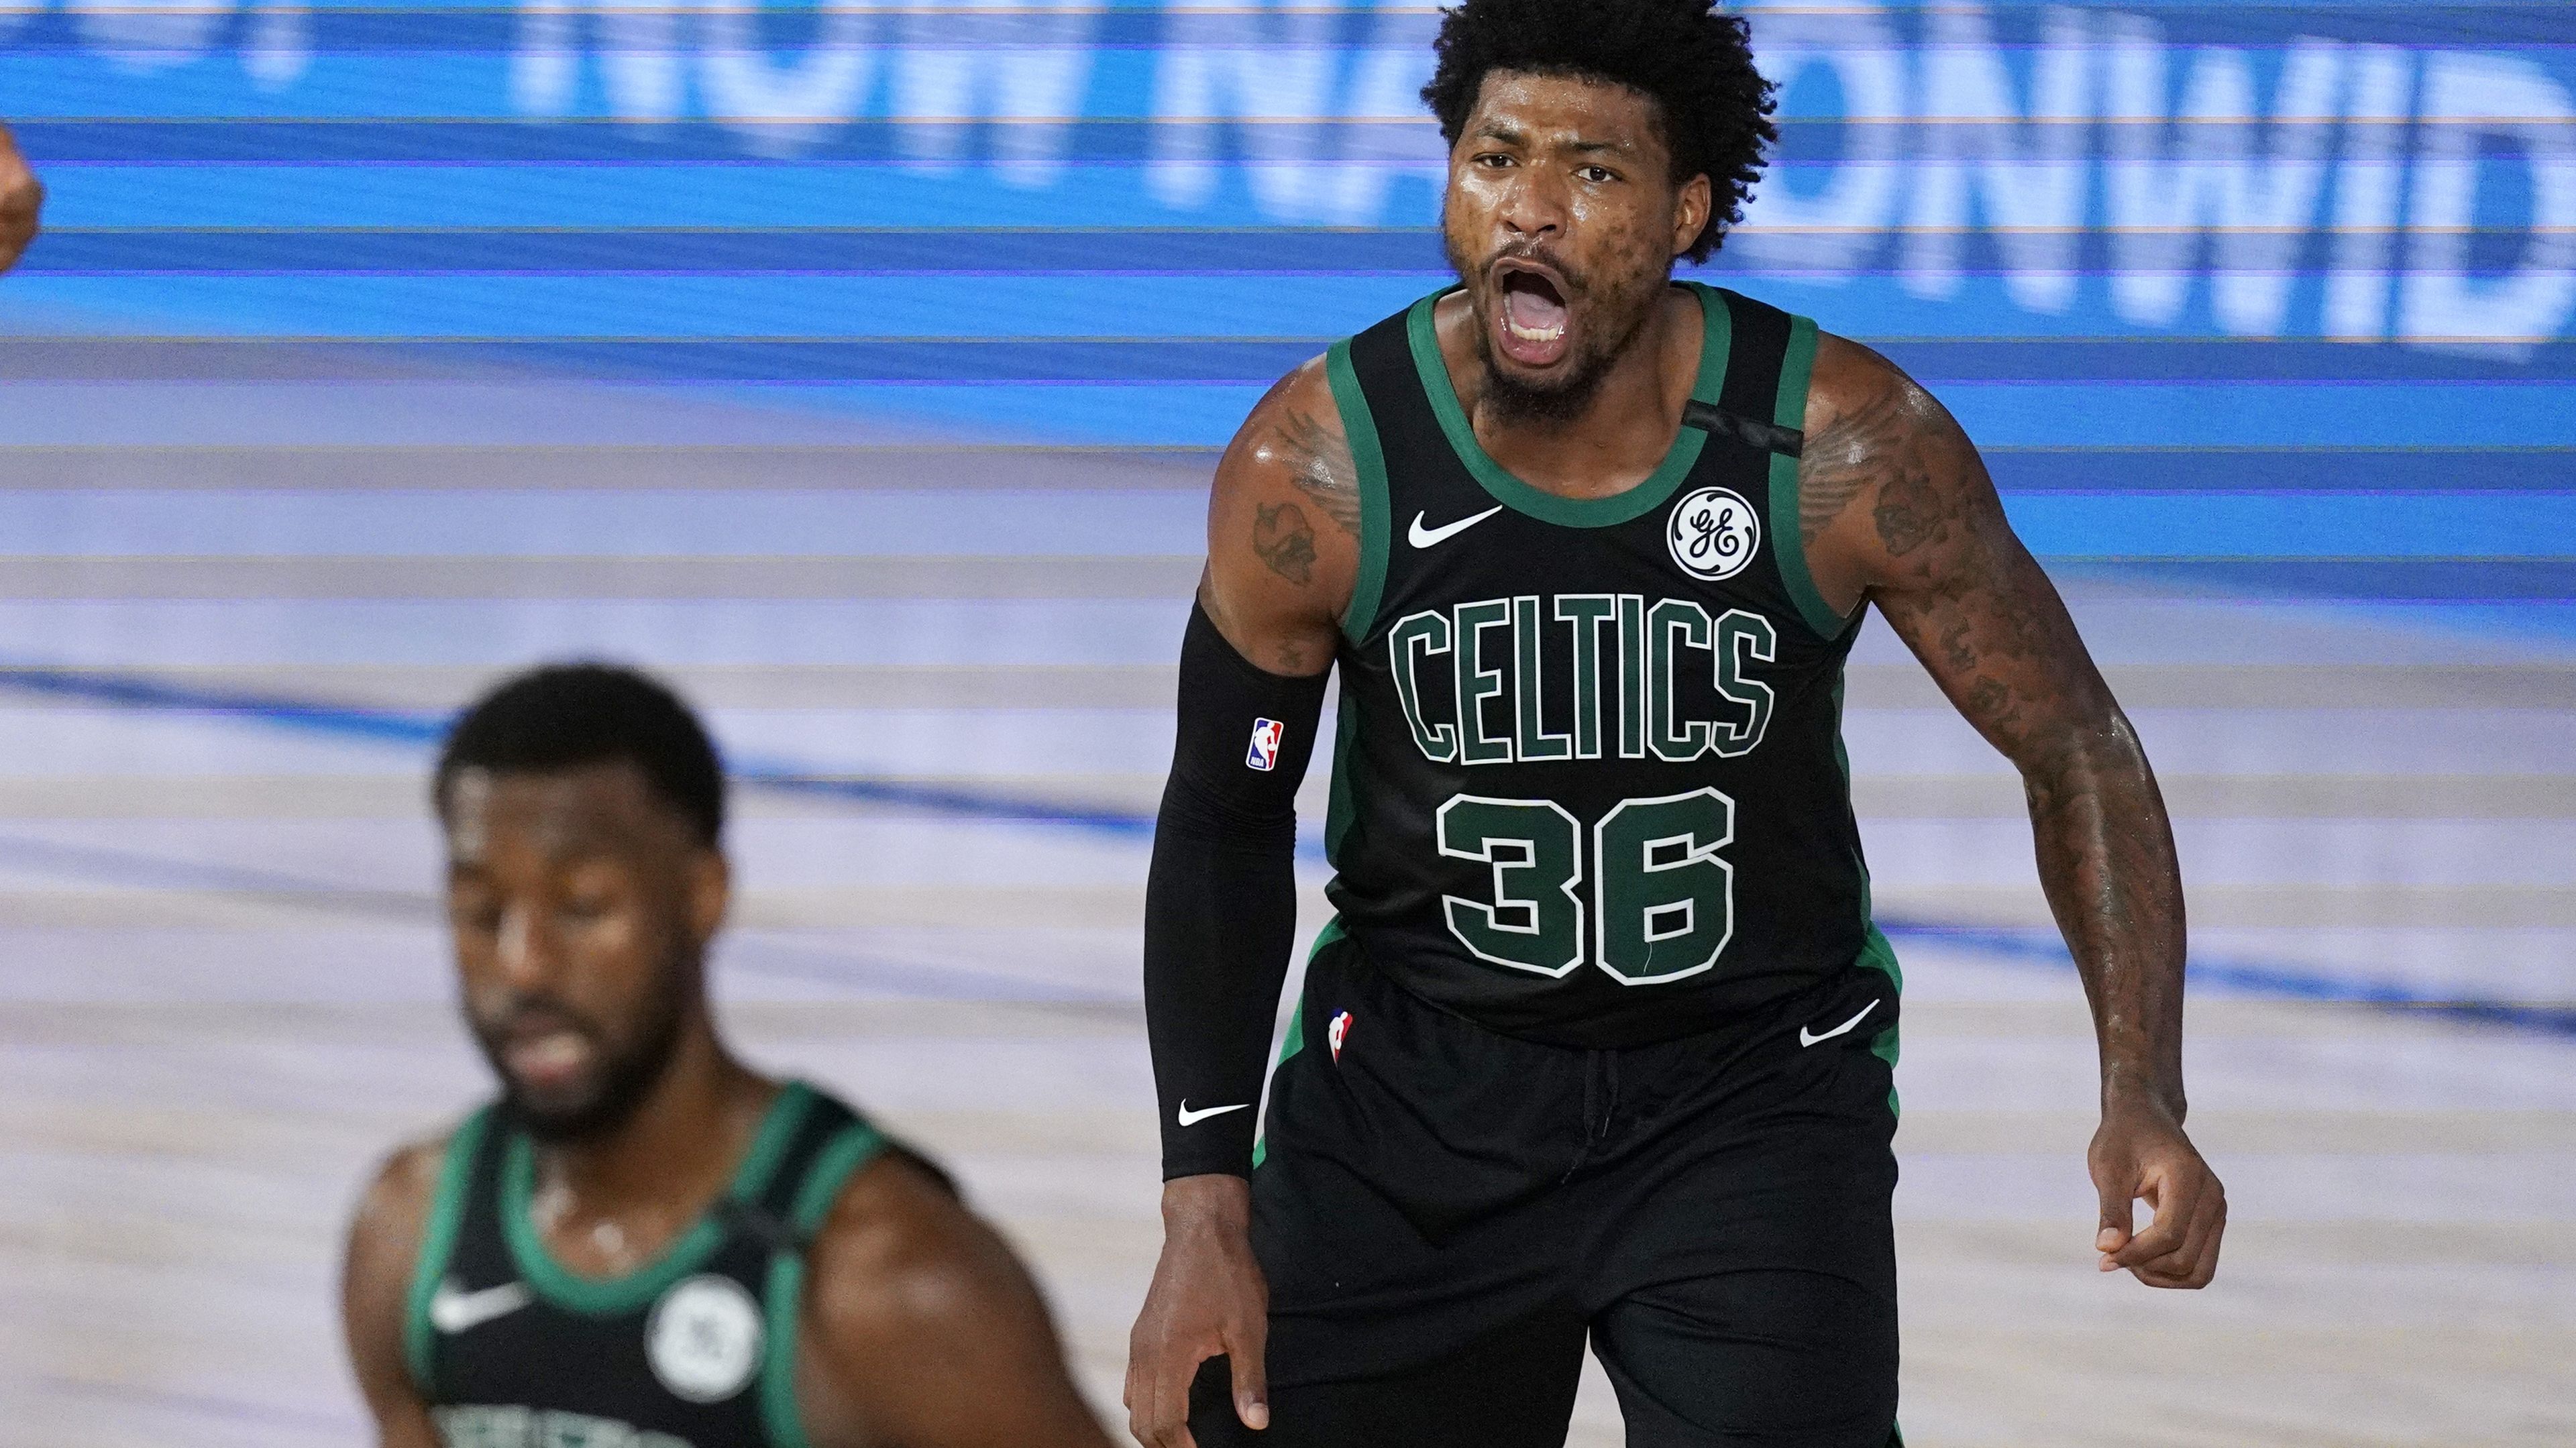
526, 952
1533, 206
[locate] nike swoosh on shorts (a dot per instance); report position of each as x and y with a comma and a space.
1806, 1038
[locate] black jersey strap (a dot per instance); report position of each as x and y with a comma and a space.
1761, 436
1746, 409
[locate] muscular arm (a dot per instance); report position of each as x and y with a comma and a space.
21, 199
1896, 508
922, 1330
1284, 529
383, 1247
1220, 908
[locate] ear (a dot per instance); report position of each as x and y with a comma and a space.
710, 894
1691, 207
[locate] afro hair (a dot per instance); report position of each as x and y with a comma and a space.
1695, 64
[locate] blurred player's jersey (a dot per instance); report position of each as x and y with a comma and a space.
695, 1350
1589, 786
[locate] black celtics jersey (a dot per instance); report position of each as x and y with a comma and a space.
1589, 786
695, 1350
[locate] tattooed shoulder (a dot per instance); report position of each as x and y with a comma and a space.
1283, 541
1879, 442
1317, 458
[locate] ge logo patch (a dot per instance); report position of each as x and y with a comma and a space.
704, 1339
1713, 534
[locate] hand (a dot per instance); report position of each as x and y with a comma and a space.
2140, 1151
1208, 1298
21, 197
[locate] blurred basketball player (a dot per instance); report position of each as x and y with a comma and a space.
1600, 1044
22, 198
642, 1242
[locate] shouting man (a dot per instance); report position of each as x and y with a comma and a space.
1600, 1044
643, 1243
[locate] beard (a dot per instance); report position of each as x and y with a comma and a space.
1612, 315
1557, 400
625, 1074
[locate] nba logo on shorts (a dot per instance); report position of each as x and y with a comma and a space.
1264, 753
1336, 1033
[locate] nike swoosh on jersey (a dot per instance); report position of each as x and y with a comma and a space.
451, 1311
1807, 1038
1193, 1118
1421, 537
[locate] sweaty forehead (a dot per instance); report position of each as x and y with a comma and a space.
1553, 108
603, 808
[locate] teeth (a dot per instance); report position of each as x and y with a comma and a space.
552, 1052
1533, 334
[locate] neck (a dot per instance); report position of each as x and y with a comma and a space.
1627, 428
683, 1141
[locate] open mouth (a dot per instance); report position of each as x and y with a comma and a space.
549, 1061
1531, 320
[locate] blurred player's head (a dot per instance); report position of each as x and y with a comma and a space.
1591, 142
583, 807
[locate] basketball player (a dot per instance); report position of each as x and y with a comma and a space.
643, 1243
22, 197
1600, 1045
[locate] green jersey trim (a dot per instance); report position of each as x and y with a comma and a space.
1876, 953
438, 1243
1538, 503
608, 1296
1295, 1040
1360, 426
1339, 808
1788, 541
783, 1295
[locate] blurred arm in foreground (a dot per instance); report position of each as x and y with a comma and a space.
22, 196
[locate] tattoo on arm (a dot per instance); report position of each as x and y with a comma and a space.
1282, 539
1841, 459
1322, 466
1999, 638
1879, 444
1944, 568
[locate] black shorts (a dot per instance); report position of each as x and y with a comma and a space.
1446, 1215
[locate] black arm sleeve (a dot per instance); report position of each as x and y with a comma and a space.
1221, 899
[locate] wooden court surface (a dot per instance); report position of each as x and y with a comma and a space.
223, 994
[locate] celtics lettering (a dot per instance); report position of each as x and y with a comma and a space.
1480, 682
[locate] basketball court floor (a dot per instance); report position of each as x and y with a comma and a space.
945, 675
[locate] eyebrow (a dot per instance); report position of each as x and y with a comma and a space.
1511, 135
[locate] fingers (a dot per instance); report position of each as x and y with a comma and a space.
2176, 1196
2119, 1210
2179, 1248
1158, 1391
2195, 1262
1246, 1349
1159, 1375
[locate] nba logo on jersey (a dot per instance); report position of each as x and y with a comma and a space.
1336, 1033
1264, 753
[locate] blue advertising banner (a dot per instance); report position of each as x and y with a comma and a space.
2170, 248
